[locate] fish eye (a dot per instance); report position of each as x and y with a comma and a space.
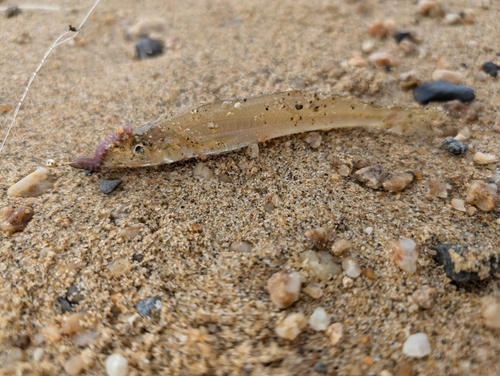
138, 149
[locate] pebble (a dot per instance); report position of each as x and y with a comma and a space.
74, 295
23, 341
313, 139
400, 36
368, 46
147, 28
284, 288
452, 19
241, 247
351, 267
15, 219
443, 257
319, 320
107, 186
252, 151
74, 365
51, 332
369, 273
318, 236
33, 185
201, 171
377, 29
482, 195
490, 310
314, 290
424, 296
119, 267
458, 204
321, 264
291, 326
408, 80
417, 346
383, 59
399, 182
483, 158
439, 91
358, 61
38, 354
335, 333
341, 246
404, 253
347, 282
149, 306
372, 176
73, 323
447, 76
12, 11
480, 76
148, 47
491, 68
86, 338
437, 189
429, 8
454, 146
65, 304
320, 367
116, 365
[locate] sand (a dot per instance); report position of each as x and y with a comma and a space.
216, 316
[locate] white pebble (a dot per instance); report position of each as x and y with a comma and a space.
314, 291
321, 264
458, 204
347, 282
33, 185
452, 19
483, 158
383, 59
291, 326
491, 311
351, 267
319, 320
116, 365
313, 139
284, 288
424, 296
202, 172
340, 246
38, 354
404, 253
417, 345
335, 333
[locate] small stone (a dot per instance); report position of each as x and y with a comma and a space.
437, 189
480, 76
33, 185
458, 204
357, 61
74, 294
351, 267
404, 253
74, 365
65, 304
429, 8
378, 29
341, 246
335, 333
320, 367
409, 80
347, 282
252, 151
439, 91
23, 341
369, 273
86, 338
74, 323
483, 158
15, 219
482, 195
314, 291
424, 296
400, 36
116, 365
321, 264
147, 48
452, 19
130, 232
319, 320
284, 288
12, 11
447, 76
417, 346
368, 46
454, 146
202, 172
383, 59
491, 68
313, 139
490, 310
372, 176
119, 267
241, 247
38, 354
291, 326
107, 186
318, 236
147, 28
149, 306
399, 182
51, 332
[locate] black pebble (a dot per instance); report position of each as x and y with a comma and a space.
453, 146
443, 257
148, 47
107, 186
491, 68
138, 257
74, 295
401, 35
147, 307
65, 304
23, 341
439, 91
320, 367
12, 12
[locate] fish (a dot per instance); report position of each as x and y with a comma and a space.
227, 125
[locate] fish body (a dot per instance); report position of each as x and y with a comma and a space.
223, 126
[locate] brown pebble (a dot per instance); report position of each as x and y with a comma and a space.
436, 189
33, 185
424, 296
51, 332
318, 236
404, 370
398, 183
383, 59
5, 107
23, 341
74, 365
482, 195
340, 246
138, 257
372, 176
284, 288
119, 267
15, 219
369, 273
357, 61
447, 76
378, 29
73, 323
430, 8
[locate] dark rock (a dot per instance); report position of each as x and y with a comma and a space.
147, 48
453, 146
149, 306
138, 257
402, 35
439, 91
107, 186
65, 304
444, 258
320, 367
23, 341
491, 68
12, 12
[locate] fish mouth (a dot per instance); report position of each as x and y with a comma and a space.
94, 163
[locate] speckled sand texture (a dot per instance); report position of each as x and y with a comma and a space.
165, 233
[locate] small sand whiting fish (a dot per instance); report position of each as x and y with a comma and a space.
223, 126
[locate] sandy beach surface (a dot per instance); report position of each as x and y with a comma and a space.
174, 238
